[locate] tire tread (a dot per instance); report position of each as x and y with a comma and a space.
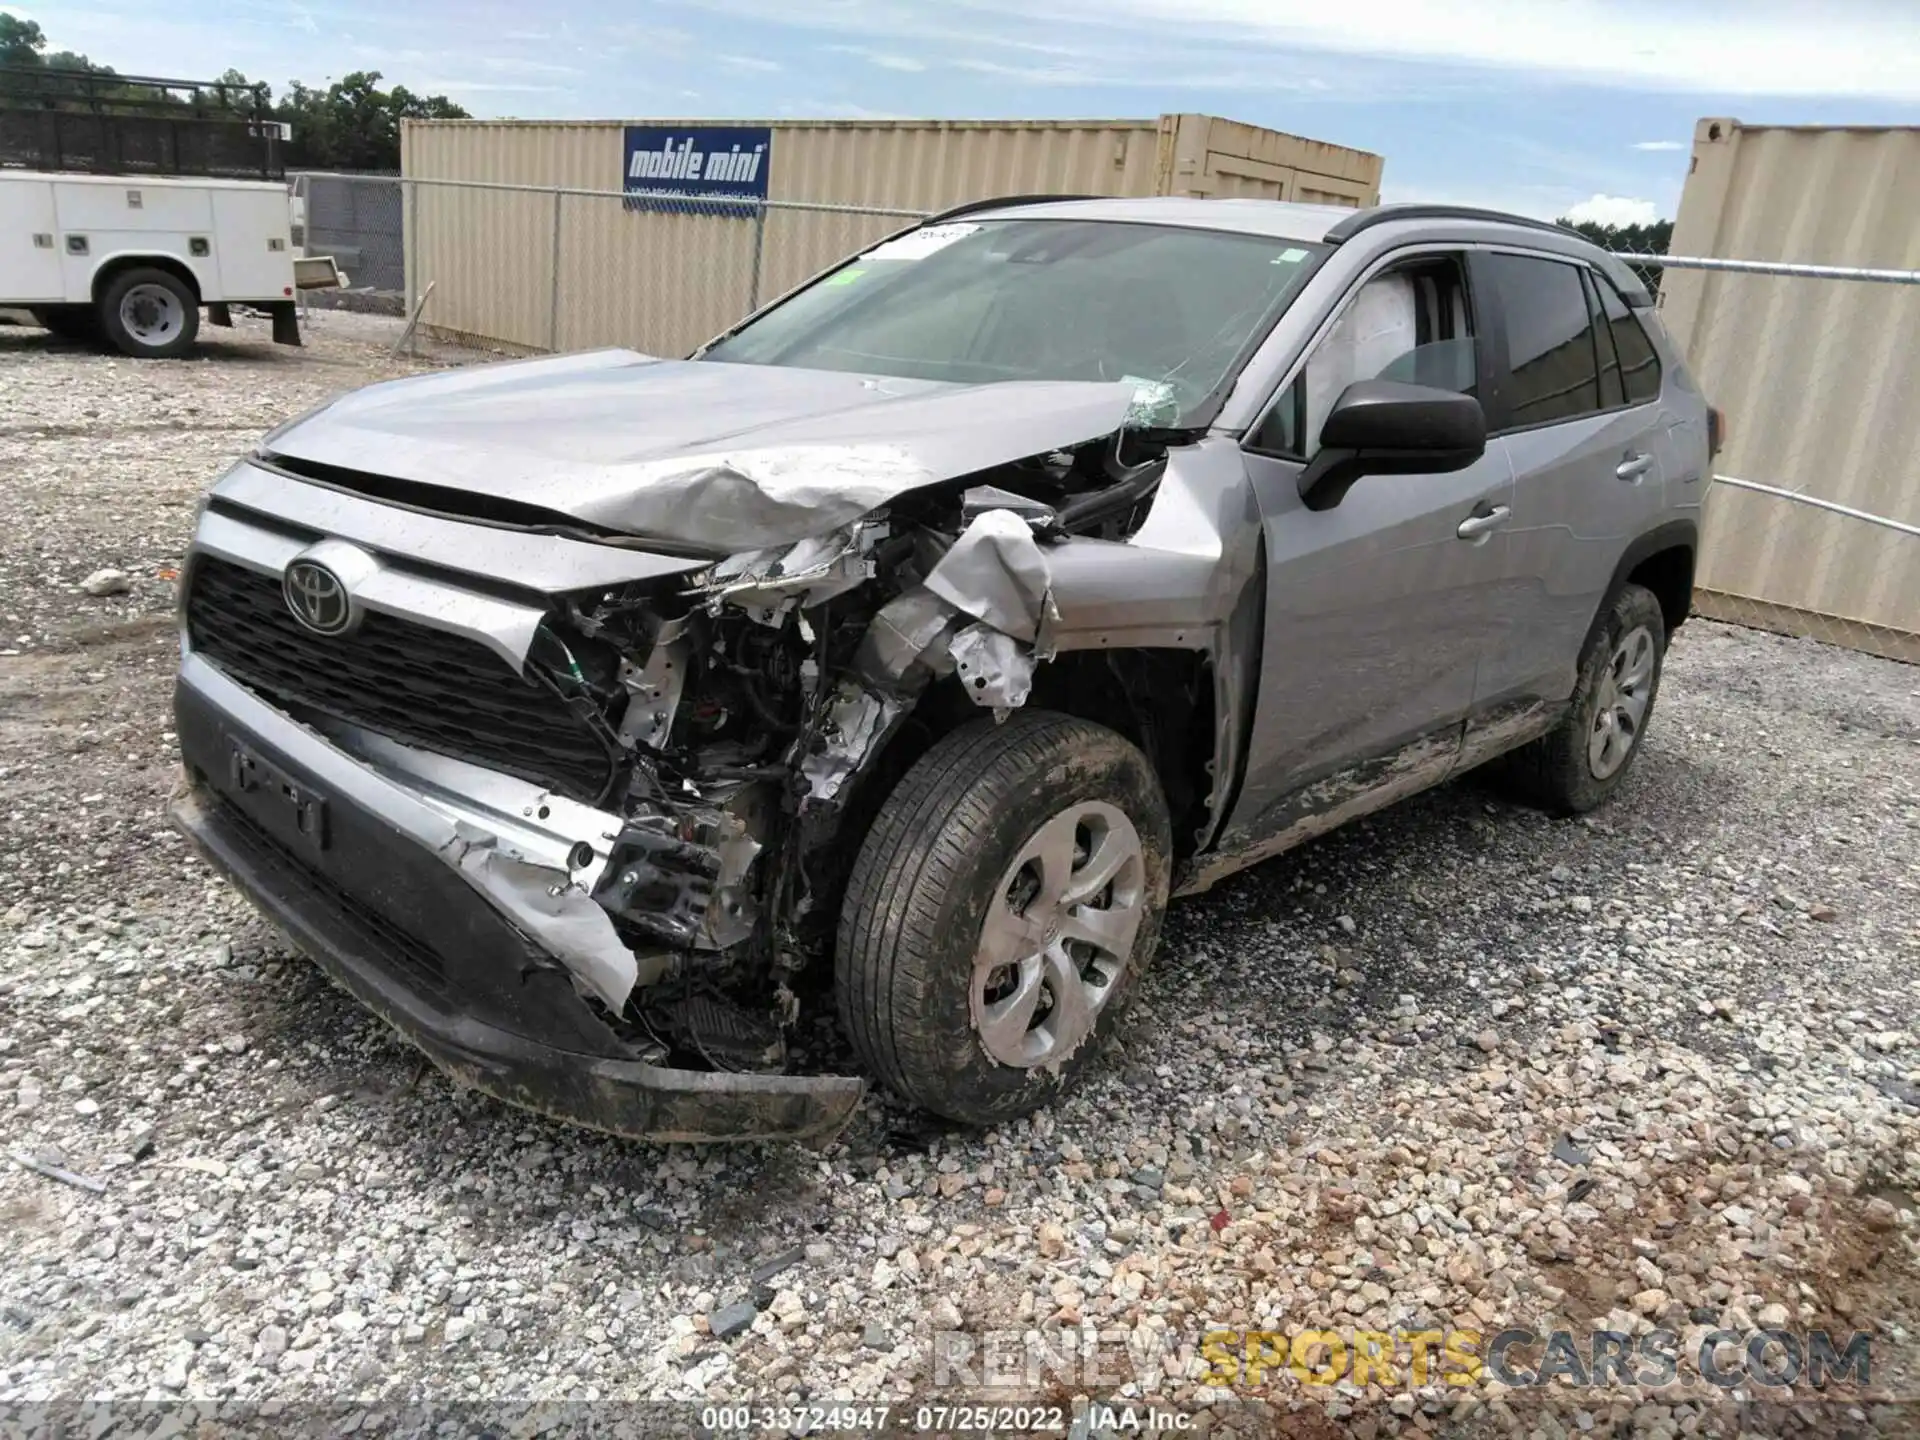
936, 819
1551, 773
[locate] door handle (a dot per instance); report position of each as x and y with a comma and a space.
1474, 526
1633, 467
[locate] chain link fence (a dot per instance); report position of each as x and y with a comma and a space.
1812, 523
359, 220
554, 269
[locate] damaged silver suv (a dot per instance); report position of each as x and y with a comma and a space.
609, 724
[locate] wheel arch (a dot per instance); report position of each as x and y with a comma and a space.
1164, 700
1662, 561
118, 264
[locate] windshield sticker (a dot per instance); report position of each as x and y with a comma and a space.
919, 244
845, 277
1289, 257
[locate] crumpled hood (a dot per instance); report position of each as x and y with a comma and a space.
719, 456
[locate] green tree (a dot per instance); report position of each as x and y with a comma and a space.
233, 91
353, 124
21, 41
1629, 240
24, 43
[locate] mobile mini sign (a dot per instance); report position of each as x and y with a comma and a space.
689, 168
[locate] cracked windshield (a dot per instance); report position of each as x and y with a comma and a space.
1166, 308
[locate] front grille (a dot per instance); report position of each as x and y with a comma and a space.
421, 686
412, 959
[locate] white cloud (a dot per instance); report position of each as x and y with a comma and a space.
836, 110
1035, 74
1661, 145
457, 88
1615, 210
749, 62
886, 60
1776, 47
1865, 48
1164, 76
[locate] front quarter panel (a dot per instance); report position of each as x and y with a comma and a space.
1188, 579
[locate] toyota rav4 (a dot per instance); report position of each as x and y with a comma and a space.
608, 724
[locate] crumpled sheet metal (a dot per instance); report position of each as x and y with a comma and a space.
722, 457
979, 499
857, 718
810, 572
760, 499
905, 633
997, 572
732, 916
555, 911
995, 669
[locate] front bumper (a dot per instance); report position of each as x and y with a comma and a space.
401, 930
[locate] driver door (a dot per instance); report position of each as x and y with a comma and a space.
1378, 609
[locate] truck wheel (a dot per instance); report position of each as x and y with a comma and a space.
149, 313
70, 322
1001, 912
1576, 766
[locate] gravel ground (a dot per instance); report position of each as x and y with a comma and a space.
1456, 1066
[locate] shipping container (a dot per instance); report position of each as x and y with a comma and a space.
1818, 376
561, 235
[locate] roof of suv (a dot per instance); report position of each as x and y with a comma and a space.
1285, 220
1280, 219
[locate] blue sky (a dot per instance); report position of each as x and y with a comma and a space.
1541, 106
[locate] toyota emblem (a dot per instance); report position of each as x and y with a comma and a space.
316, 597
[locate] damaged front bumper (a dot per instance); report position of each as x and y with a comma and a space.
454, 918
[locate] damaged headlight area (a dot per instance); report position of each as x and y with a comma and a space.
741, 707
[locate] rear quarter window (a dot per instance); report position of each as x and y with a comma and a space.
1639, 361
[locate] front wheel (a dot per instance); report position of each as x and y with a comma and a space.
149, 313
1001, 912
1578, 764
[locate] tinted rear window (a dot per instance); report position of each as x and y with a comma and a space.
1549, 340
1639, 361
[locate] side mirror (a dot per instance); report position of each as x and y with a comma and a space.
1384, 427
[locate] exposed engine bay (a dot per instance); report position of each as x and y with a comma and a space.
744, 711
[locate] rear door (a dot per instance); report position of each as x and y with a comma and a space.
1379, 608
1582, 433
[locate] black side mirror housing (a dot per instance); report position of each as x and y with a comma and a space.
1385, 427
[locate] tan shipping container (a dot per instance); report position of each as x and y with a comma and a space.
536, 270
1820, 379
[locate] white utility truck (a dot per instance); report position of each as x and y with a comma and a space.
133, 255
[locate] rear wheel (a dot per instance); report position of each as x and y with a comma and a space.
69, 322
1576, 766
150, 313
1000, 913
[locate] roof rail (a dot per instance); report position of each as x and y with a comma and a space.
1000, 202
1360, 220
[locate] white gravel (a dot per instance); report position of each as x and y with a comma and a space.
1458, 1065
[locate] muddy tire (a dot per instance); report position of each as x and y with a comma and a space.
149, 313
1001, 912
1574, 767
